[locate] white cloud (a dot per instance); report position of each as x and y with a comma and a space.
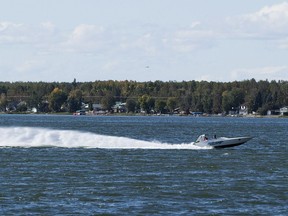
95, 39
30, 65
275, 15
270, 73
125, 49
85, 38
85, 32
5, 26
111, 65
18, 33
283, 44
190, 38
268, 22
160, 41
146, 43
11, 32
206, 77
48, 26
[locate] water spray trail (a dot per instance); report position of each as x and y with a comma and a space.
27, 137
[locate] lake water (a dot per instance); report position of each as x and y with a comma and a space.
108, 165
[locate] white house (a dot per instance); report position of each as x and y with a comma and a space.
119, 107
98, 109
284, 110
243, 110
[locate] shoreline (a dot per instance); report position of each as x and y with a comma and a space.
156, 115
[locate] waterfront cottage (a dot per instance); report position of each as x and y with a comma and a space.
243, 110
284, 110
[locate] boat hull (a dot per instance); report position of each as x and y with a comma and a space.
224, 142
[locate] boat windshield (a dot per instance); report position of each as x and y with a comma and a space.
202, 138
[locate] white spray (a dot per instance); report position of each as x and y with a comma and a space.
26, 137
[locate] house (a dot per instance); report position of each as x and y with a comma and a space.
84, 106
284, 111
197, 113
13, 106
273, 112
80, 112
234, 111
98, 109
243, 110
119, 107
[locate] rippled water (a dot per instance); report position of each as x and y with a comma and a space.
83, 165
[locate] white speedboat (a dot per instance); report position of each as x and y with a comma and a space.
221, 142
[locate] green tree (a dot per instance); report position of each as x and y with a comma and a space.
143, 103
210, 97
22, 107
171, 104
232, 99
257, 101
226, 101
3, 102
56, 99
283, 97
216, 98
147, 103
107, 102
151, 103
131, 105
160, 106
238, 97
74, 100
186, 102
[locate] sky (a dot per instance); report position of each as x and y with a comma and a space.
148, 40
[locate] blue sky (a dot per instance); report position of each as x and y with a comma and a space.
223, 40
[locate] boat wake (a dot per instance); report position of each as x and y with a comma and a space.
27, 137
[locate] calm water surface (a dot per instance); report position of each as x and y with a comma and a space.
88, 165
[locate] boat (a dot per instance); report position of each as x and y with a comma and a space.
221, 142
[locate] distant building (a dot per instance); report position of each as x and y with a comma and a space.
34, 110
119, 107
197, 113
243, 110
84, 106
98, 109
80, 112
273, 112
284, 111
232, 112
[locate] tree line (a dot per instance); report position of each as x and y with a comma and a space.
157, 96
